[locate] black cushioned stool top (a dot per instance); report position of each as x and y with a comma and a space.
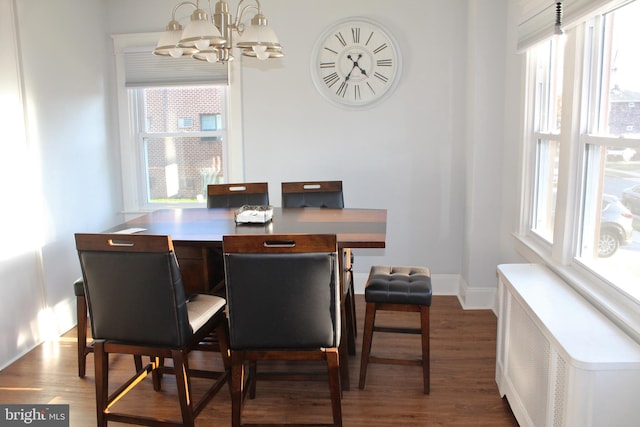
399, 285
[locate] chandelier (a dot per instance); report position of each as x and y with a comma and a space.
211, 40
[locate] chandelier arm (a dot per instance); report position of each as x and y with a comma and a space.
240, 13
176, 7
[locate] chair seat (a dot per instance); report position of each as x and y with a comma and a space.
201, 307
399, 285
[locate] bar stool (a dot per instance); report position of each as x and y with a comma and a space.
393, 288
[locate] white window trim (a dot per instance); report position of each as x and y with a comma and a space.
132, 183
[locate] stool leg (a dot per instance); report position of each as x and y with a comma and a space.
424, 326
367, 338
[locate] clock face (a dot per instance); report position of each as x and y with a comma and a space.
356, 63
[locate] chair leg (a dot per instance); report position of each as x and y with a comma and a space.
181, 368
367, 338
333, 366
253, 373
101, 362
81, 310
237, 382
156, 374
344, 352
350, 307
424, 326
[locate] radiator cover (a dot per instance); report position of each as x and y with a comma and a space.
559, 361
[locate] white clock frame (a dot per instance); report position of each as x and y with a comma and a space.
356, 63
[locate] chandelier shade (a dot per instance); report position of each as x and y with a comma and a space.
200, 32
210, 40
168, 43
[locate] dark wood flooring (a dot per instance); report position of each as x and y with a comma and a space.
463, 389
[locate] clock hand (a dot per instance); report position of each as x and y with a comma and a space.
355, 64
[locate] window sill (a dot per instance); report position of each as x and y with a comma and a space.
619, 307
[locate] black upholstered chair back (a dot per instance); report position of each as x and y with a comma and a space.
237, 195
312, 194
134, 289
282, 291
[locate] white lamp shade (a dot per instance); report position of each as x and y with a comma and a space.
168, 45
263, 53
208, 55
261, 35
201, 31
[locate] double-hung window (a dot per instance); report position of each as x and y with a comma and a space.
582, 145
174, 133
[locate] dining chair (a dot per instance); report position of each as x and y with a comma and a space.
137, 305
283, 302
237, 195
328, 194
312, 194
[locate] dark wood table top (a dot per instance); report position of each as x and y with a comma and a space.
354, 228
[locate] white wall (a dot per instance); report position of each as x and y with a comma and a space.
405, 155
64, 52
438, 153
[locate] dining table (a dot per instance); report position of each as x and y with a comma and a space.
197, 233
197, 237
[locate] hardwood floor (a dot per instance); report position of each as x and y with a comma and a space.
463, 389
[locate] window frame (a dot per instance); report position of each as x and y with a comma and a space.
131, 161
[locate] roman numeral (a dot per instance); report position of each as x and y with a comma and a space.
381, 77
331, 50
384, 62
380, 48
331, 79
341, 39
355, 34
371, 88
342, 90
369, 39
327, 65
356, 93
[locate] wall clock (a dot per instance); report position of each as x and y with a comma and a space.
355, 63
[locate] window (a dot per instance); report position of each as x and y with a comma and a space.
175, 133
181, 157
210, 122
579, 203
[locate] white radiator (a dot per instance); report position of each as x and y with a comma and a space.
559, 361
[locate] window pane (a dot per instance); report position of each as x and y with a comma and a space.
546, 187
620, 89
180, 168
547, 106
178, 109
548, 86
182, 142
610, 233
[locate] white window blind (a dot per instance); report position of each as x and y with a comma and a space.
537, 21
141, 68
538, 17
